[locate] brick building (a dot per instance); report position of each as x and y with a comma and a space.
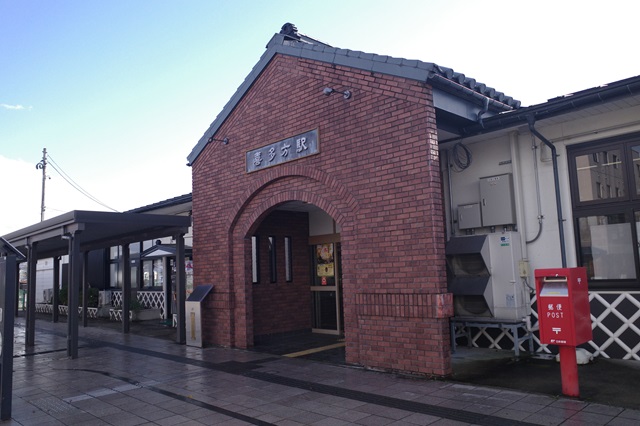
320, 180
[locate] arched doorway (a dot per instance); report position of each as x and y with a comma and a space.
296, 269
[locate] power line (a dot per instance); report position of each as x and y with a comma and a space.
73, 183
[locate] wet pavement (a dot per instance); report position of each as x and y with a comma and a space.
137, 379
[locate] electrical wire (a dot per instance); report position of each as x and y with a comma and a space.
461, 156
71, 182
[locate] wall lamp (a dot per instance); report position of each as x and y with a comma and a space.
329, 90
224, 141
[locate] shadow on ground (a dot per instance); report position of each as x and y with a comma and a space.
603, 381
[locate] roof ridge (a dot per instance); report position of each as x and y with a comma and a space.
292, 43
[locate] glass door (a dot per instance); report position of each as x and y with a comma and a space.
326, 294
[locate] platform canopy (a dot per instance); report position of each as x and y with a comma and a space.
78, 232
95, 230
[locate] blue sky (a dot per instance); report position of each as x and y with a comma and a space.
120, 91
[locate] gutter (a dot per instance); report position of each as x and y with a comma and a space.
486, 100
558, 106
531, 122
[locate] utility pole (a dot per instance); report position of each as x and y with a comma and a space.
43, 165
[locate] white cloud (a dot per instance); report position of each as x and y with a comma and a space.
15, 107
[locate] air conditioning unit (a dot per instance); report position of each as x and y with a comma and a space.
104, 298
47, 295
484, 276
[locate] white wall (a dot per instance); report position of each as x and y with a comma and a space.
511, 152
44, 276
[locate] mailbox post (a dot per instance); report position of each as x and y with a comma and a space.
564, 317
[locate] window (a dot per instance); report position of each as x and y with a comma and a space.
605, 187
606, 247
255, 259
288, 265
116, 267
594, 178
152, 274
273, 269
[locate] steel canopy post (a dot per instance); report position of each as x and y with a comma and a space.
85, 288
73, 294
8, 274
181, 290
126, 287
56, 289
30, 337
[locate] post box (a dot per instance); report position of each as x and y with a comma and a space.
564, 316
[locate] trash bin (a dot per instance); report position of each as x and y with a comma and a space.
193, 309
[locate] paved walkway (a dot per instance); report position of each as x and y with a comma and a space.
138, 380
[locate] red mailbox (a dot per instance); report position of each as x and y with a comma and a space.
564, 317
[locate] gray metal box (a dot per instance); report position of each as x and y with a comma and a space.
193, 307
469, 216
497, 200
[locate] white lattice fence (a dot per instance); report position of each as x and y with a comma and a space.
615, 320
45, 308
495, 338
148, 300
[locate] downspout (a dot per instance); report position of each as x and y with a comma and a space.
483, 111
556, 181
452, 230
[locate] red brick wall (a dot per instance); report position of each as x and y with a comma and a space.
283, 306
376, 175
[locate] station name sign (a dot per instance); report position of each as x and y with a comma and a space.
289, 149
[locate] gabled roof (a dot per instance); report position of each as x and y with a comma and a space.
163, 250
291, 43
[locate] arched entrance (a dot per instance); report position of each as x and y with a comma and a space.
296, 265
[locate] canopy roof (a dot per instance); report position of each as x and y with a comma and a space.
6, 249
95, 230
164, 250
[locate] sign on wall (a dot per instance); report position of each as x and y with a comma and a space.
283, 151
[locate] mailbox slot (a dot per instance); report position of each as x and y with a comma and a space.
554, 287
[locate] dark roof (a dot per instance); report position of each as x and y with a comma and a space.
175, 201
7, 249
291, 43
557, 106
163, 250
95, 230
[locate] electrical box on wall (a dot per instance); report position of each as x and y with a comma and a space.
497, 200
469, 216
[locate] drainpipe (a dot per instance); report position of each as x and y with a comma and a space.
452, 230
531, 120
483, 111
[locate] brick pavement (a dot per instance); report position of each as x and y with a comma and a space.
138, 380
